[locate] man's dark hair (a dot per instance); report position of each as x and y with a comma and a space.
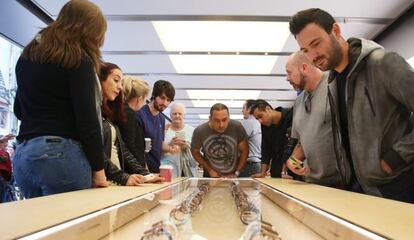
218, 107
312, 15
260, 104
163, 86
249, 103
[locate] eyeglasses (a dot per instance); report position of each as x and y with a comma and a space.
308, 103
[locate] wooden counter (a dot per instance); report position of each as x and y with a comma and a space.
28, 216
388, 218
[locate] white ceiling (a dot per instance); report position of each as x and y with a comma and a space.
133, 44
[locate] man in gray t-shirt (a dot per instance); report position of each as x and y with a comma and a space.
312, 126
220, 145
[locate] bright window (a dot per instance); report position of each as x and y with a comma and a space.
8, 58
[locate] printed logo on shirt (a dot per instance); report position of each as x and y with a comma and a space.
221, 152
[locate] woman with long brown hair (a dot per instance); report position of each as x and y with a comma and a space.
121, 167
61, 145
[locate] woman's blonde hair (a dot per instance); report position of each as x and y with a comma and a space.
134, 87
78, 31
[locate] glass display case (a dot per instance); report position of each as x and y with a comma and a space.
210, 209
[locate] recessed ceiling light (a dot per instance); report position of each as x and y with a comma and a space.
233, 36
223, 36
411, 61
223, 94
232, 116
223, 64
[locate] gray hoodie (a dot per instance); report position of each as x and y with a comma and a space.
379, 99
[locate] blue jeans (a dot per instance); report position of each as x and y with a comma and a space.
49, 164
250, 168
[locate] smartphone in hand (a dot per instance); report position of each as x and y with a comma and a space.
295, 162
180, 135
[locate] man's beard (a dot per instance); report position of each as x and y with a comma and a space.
334, 56
302, 83
158, 107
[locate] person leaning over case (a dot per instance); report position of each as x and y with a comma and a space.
274, 124
223, 142
60, 135
312, 125
370, 94
135, 93
120, 165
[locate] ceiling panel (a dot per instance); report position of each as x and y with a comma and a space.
350, 8
220, 83
137, 64
133, 43
131, 36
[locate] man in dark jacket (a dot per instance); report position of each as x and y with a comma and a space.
275, 124
370, 94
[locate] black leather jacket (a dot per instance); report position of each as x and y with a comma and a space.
129, 165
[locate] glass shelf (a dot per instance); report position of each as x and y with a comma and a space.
216, 218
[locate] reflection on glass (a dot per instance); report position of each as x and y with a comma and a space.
161, 230
247, 210
182, 212
260, 230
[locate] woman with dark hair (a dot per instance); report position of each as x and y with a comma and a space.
60, 136
121, 167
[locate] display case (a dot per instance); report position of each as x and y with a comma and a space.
235, 209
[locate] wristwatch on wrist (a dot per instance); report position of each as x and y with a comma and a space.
237, 173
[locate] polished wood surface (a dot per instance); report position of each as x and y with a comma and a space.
392, 219
387, 218
28, 216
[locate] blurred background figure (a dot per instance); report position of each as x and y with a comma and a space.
6, 183
254, 138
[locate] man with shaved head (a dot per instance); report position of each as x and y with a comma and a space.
220, 145
178, 135
312, 126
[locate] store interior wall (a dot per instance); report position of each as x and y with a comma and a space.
400, 35
18, 24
